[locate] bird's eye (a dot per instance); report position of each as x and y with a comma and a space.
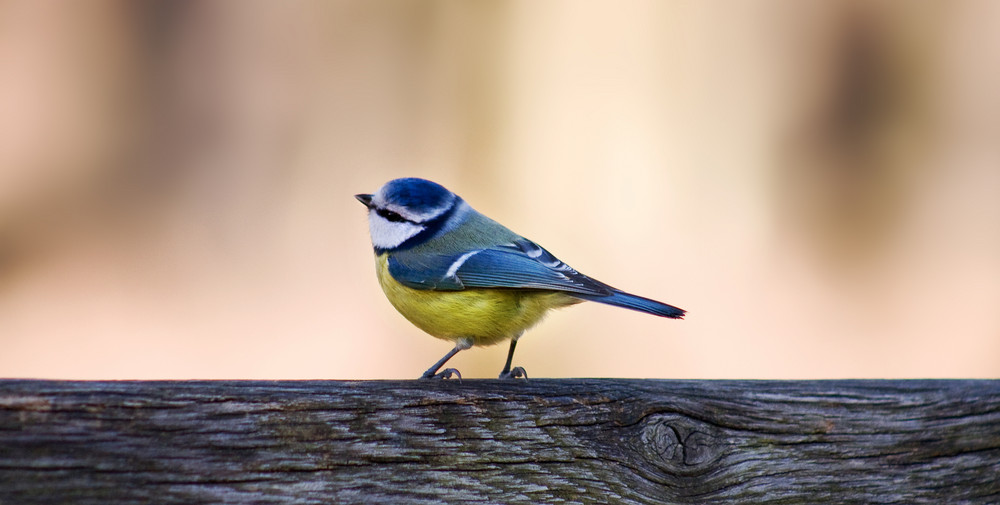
390, 216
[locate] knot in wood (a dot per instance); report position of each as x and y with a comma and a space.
674, 442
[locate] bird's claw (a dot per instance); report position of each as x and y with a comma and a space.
447, 373
514, 373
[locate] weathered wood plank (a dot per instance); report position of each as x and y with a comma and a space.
481, 441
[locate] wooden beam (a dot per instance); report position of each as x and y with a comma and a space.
488, 441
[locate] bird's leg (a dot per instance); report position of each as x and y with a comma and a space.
510, 358
507, 372
432, 372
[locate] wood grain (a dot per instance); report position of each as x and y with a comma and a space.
489, 441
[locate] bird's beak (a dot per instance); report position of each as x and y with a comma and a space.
365, 199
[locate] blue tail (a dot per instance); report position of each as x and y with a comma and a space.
628, 301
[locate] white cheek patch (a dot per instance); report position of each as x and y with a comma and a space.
388, 235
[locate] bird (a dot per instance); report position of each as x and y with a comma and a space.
463, 277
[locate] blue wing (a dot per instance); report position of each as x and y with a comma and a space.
521, 264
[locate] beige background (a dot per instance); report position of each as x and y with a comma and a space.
818, 183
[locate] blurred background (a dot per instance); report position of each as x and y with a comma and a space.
818, 183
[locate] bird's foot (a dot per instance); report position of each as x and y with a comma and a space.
447, 373
514, 373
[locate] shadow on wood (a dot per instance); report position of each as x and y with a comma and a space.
488, 441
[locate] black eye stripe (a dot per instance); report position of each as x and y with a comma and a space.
390, 216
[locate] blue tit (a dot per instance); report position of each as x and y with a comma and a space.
461, 276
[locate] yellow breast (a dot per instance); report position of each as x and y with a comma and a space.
488, 316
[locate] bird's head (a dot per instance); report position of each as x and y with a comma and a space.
403, 208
